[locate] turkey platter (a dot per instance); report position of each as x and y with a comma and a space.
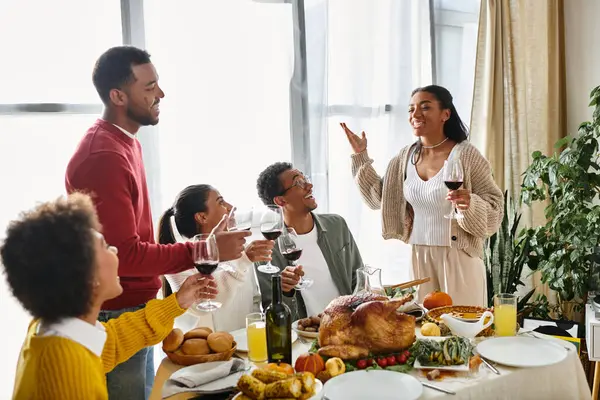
352, 326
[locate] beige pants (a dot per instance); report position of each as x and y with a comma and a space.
452, 271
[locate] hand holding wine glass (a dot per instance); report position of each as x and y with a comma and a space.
292, 252
240, 219
196, 287
230, 244
453, 178
271, 226
206, 261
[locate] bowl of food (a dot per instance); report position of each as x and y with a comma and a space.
200, 345
269, 384
308, 327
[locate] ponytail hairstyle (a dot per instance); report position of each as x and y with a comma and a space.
454, 128
188, 203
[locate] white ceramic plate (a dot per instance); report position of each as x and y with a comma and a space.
374, 384
317, 396
311, 335
241, 338
520, 351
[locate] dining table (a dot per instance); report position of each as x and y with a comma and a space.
563, 380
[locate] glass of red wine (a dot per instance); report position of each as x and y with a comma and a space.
206, 261
292, 252
240, 219
453, 178
271, 226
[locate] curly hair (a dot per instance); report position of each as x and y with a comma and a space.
268, 184
48, 256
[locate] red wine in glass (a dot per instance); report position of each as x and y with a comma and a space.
271, 235
453, 185
206, 268
292, 255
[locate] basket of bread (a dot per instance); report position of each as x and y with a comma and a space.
200, 345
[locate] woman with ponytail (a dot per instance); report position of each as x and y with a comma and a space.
414, 199
199, 209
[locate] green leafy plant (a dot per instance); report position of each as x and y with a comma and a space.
569, 180
505, 256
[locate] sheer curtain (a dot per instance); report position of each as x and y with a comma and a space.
364, 58
225, 67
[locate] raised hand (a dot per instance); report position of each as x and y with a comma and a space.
230, 244
358, 143
290, 277
194, 288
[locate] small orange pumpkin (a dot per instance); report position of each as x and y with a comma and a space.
437, 299
310, 362
280, 367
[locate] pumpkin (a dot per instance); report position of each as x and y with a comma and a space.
437, 299
280, 367
310, 362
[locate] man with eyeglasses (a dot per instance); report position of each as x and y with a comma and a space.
330, 256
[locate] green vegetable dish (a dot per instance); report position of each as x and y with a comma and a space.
452, 351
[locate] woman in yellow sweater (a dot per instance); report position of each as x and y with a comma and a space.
61, 270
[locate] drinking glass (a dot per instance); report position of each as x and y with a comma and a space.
206, 260
271, 226
292, 252
453, 178
505, 314
240, 219
257, 337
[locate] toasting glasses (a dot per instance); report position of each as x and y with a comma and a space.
271, 226
206, 260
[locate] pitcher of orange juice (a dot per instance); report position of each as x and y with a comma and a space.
257, 337
505, 314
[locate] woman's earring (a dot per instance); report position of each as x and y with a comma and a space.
96, 284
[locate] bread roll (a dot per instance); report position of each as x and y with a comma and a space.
173, 340
195, 347
220, 342
198, 333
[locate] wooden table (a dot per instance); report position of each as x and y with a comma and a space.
565, 380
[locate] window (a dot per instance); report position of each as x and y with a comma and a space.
48, 53
225, 68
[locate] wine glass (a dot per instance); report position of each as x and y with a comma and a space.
292, 252
453, 178
206, 260
271, 226
240, 219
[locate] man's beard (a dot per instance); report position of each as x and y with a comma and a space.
143, 120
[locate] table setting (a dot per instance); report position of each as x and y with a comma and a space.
383, 344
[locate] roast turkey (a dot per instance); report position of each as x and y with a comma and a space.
352, 326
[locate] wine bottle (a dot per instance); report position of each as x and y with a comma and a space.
279, 326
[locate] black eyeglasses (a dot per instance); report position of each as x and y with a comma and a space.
302, 182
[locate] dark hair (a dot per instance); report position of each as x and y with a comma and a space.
113, 69
454, 128
49, 258
268, 183
189, 201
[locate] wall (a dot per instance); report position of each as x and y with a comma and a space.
582, 58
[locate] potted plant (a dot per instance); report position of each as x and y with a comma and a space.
505, 257
569, 180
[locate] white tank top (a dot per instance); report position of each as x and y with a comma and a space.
428, 200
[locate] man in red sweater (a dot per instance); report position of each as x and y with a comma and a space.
108, 165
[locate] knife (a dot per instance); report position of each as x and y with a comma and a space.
439, 389
489, 365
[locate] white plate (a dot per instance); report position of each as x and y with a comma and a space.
241, 338
311, 335
373, 384
519, 351
317, 396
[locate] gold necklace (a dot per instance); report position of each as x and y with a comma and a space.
435, 145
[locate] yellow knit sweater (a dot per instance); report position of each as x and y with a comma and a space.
53, 367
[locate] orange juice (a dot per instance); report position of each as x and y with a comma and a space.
257, 342
505, 319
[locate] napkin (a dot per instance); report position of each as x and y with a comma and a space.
196, 378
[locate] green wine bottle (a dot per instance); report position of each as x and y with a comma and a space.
279, 326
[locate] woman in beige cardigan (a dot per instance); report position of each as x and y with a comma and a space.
413, 198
